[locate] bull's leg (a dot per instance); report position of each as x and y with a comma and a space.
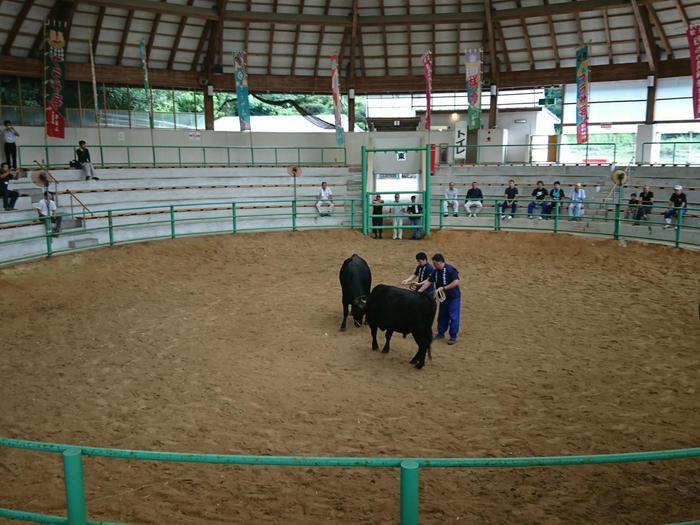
415, 358
418, 342
389, 333
421, 357
345, 318
375, 345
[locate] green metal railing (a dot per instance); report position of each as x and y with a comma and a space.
170, 221
409, 469
589, 153
682, 153
130, 155
611, 218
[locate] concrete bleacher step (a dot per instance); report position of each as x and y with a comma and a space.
83, 242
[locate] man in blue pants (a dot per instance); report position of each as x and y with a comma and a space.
446, 278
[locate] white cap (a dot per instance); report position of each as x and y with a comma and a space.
678, 187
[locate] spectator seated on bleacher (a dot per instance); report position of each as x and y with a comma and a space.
475, 199
677, 204
324, 203
511, 194
451, 200
46, 207
647, 202
632, 208
9, 197
539, 193
83, 156
547, 207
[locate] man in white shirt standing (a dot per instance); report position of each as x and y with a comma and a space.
47, 208
451, 200
397, 221
325, 200
578, 195
9, 134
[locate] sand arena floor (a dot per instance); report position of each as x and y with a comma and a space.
230, 344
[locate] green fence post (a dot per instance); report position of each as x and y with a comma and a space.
352, 214
440, 212
75, 487
585, 161
298, 156
102, 157
294, 215
228, 156
19, 156
252, 156
49, 239
409, 492
233, 217
276, 161
496, 216
614, 153
109, 227
179, 157
618, 201
172, 222
556, 217
204, 155
364, 191
128, 157
345, 156
46, 152
679, 220
153, 152
427, 196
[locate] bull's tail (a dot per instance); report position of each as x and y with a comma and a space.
429, 329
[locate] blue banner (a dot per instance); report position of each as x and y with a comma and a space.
241, 76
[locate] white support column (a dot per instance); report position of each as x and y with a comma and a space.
646, 153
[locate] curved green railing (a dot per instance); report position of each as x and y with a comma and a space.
136, 155
409, 469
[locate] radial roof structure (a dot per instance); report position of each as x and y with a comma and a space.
380, 42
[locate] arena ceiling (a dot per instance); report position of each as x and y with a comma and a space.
525, 42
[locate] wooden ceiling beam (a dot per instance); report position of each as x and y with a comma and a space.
410, 40
326, 10
506, 57
553, 38
384, 43
606, 24
17, 24
153, 33
271, 41
153, 6
579, 30
433, 47
125, 36
296, 41
352, 74
161, 78
644, 26
660, 30
98, 28
206, 33
682, 12
178, 37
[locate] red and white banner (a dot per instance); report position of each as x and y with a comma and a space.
694, 45
428, 74
54, 78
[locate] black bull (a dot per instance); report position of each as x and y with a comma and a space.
398, 310
355, 282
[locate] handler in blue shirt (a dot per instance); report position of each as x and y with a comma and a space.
446, 277
423, 271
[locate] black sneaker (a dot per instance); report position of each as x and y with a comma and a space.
438, 336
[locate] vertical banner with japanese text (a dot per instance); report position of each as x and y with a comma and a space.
460, 140
694, 45
241, 75
583, 72
146, 85
428, 74
472, 67
335, 87
54, 77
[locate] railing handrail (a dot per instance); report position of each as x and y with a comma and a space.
350, 462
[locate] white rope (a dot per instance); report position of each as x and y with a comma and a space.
440, 295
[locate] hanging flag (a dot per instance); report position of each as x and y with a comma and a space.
428, 74
241, 76
54, 74
694, 45
335, 86
146, 86
472, 67
583, 71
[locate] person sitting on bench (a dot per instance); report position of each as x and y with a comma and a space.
47, 208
